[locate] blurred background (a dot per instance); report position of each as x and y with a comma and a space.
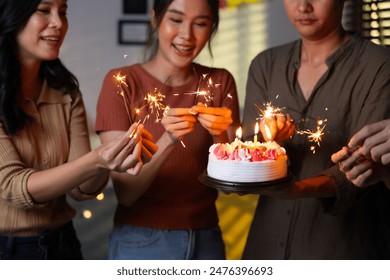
106, 34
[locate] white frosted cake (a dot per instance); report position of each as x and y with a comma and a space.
247, 162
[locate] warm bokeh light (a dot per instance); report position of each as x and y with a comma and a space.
87, 214
100, 196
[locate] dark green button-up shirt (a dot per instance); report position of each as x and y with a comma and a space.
355, 91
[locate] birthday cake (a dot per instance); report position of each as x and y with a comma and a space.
247, 162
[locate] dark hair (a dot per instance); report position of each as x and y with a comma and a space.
14, 15
160, 7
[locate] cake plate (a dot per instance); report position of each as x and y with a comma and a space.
244, 188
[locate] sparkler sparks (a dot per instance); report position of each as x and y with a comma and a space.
314, 136
207, 91
269, 111
154, 102
121, 79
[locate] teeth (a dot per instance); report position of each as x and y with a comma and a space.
52, 39
184, 49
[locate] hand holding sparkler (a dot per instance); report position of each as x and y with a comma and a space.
149, 147
274, 124
178, 122
278, 127
215, 120
122, 153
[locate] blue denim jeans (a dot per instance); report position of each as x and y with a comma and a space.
61, 244
136, 243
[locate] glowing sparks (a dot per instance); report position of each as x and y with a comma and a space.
269, 111
121, 79
154, 102
314, 136
206, 91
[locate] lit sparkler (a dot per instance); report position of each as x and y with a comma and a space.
206, 93
314, 136
154, 102
269, 111
121, 79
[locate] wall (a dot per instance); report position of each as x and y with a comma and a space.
91, 49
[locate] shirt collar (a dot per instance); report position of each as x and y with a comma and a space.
52, 95
333, 58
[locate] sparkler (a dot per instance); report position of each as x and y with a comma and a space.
153, 103
269, 111
206, 92
314, 136
121, 79
153, 99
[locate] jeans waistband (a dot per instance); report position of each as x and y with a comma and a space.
61, 243
47, 237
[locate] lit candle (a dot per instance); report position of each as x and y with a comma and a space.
238, 137
268, 132
256, 132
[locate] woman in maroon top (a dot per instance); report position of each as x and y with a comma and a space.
165, 212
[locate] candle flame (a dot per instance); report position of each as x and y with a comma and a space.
268, 132
257, 128
239, 133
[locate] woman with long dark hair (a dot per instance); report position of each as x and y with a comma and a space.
45, 152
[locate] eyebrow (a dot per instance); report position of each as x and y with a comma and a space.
174, 11
64, 5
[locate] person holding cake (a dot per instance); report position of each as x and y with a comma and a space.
339, 78
366, 158
165, 212
44, 141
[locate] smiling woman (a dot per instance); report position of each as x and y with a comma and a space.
45, 153
165, 212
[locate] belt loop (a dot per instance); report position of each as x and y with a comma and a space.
10, 243
42, 244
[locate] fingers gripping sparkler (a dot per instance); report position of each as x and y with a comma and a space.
312, 136
153, 103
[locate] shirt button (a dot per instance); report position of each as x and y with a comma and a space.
44, 161
281, 244
288, 212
